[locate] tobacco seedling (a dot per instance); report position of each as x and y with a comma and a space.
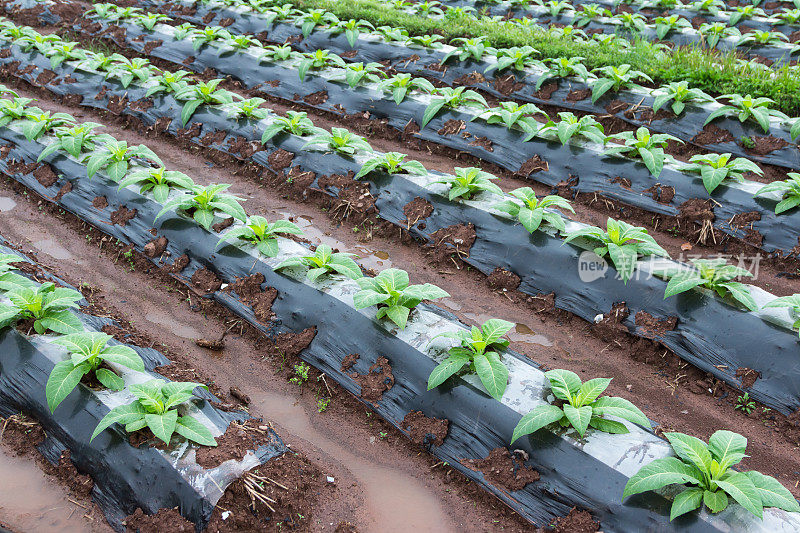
275, 52
616, 78
159, 181
300, 374
352, 29
716, 168
713, 274
339, 140
746, 107
15, 109
114, 156
127, 70
744, 12
555, 7
581, 407
467, 181
390, 34
88, 351
745, 404
182, 31
679, 93
665, 25
392, 163
208, 35
762, 38
633, 22
62, 51
242, 42
534, 211
10, 280
649, 147
313, 18
477, 348
709, 6
452, 98
468, 48
426, 41
295, 123
510, 114
75, 139
47, 305
262, 234
714, 32
324, 261
400, 84
708, 467
156, 407
38, 124
395, 298
249, 109
747, 142
426, 8
588, 13
202, 93
515, 57
168, 82
792, 302
561, 68
358, 73
570, 126
202, 202
787, 16
622, 242
149, 20
317, 60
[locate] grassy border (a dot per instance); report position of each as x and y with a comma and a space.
709, 70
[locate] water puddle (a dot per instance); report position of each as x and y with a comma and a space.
31, 502
374, 259
54, 250
521, 333
181, 330
6, 204
394, 501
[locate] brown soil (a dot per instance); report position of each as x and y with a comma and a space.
712, 134
748, 376
451, 127
100, 202
502, 469
45, 175
456, 239
376, 381
507, 85
765, 145
234, 443
164, 520
122, 216
155, 247
578, 95
531, 166
249, 290
503, 280
425, 430
416, 210
205, 280
651, 327
576, 522
547, 90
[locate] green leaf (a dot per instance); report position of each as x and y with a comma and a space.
538, 418
578, 417
772, 493
609, 426
431, 111
447, 368
188, 110
162, 426
62, 322
398, 314
592, 389
564, 384
62, 380
191, 429
123, 355
690, 449
727, 448
367, 298
659, 473
620, 407
716, 501
740, 488
123, 414
109, 379
741, 293
492, 373
682, 282
493, 329
531, 219
268, 247
688, 500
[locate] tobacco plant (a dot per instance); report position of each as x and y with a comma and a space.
313, 18
339, 140
358, 73
390, 34
515, 57
472, 48
38, 124
202, 93
61, 51
168, 82
533, 210
10, 280
744, 12
295, 123
47, 305
202, 202
716, 168
88, 352
708, 468
510, 114
570, 126
127, 70
317, 60
588, 13
392, 163
762, 38
788, 189
561, 68
15, 109
747, 107
274, 52
426, 41
159, 181
679, 93
262, 234
148, 21
714, 274
581, 406
649, 147
324, 261
249, 109
665, 25
709, 6
713, 32
400, 84
156, 407
477, 350
76, 139
352, 29
114, 156
633, 22
792, 302
452, 98
616, 78
622, 243
467, 181
395, 298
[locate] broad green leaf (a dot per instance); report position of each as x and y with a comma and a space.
62, 322
398, 314
191, 429
162, 426
538, 418
109, 379
592, 389
492, 373
62, 380
716, 501
620, 407
609, 426
740, 488
772, 493
578, 417
690, 449
727, 447
682, 282
493, 329
660, 473
688, 500
123, 414
563, 383
447, 368
123, 355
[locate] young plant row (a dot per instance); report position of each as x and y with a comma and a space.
46, 309
476, 350
754, 115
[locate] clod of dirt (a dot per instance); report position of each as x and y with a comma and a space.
547, 90
765, 145
416, 210
578, 95
747, 376
349, 361
45, 77
649, 326
662, 194
155, 247
249, 290
473, 78
179, 264
216, 345
534, 164
238, 438
205, 280
291, 344
223, 224
451, 127
376, 381
484, 143
697, 212
611, 328
712, 134
317, 98
503, 280
240, 396
457, 239
501, 469
164, 520
744, 221
122, 216
576, 522
100, 202
67, 187
616, 106
425, 430
506, 85
45, 175
149, 46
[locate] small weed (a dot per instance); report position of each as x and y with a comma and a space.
747, 142
300, 374
322, 404
745, 404
383, 435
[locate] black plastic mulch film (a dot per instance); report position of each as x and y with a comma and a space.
125, 477
778, 232
478, 423
710, 334
685, 127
